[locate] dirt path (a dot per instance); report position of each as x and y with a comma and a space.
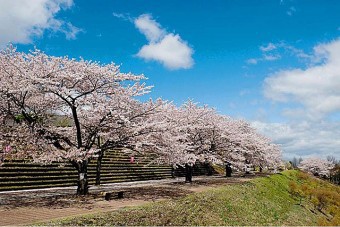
29, 207
31, 215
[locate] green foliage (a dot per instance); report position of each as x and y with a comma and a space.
299, 188
219, 169
335, 174
324, 197
296, 191
302, 176
62, 122
19, 118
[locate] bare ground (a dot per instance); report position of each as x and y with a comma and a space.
34, 206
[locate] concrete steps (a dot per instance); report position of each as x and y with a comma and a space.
116, 167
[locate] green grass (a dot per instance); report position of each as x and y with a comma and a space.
262, 201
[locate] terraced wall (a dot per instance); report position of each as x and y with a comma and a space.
116, 167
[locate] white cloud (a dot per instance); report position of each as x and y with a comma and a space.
267, 54
269, 47
317, 88
275, 51
71, 31
316, 91
150, 28
305, 139
271, 57
122, 16
296, 52
166, 48
171, 51
252, 61
22, 20
265, 57
291, 11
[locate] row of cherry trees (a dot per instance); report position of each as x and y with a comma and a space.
317, 166
62, 109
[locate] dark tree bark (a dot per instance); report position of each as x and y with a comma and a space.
172, 172
81, 166
77, 124
228, 170
99, 166
83, 184
188, 173
208, 168
99, 163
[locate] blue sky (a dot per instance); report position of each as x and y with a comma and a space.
248, 59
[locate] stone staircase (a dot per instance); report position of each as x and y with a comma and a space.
116, 167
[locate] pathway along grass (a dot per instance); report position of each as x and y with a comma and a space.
262, 201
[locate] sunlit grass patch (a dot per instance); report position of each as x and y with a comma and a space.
262, 201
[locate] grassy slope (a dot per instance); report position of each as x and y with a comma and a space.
263, 201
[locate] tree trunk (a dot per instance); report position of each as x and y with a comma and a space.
208, 168
188, 173
228, 170
83, 183
99, 166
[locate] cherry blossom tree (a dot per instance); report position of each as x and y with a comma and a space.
236, 142
193, 132
195, 126
56, 108
128, 128
36, 88
169, 138
316, 166
174, 141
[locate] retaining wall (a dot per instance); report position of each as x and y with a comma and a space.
116, 167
